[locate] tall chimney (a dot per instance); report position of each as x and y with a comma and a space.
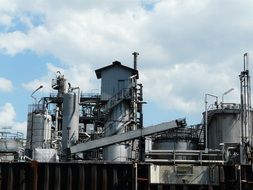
135, 54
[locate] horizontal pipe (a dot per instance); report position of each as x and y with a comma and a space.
179, 154
185, 151
185, 161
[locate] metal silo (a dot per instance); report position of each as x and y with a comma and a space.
38, 131
10, 142
224, 126
183, 139
118, 152
70, 129
174, 144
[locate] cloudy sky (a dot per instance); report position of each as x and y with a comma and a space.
187, 48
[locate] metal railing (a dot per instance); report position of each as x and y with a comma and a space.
35, 108
10, 135
185, 156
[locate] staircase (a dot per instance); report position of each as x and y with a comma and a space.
120, 96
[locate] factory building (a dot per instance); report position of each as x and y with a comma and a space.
79, 140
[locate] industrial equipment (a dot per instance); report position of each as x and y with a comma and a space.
76, 140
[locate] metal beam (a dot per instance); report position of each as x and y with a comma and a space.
127, 136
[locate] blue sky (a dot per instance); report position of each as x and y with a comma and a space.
187, 48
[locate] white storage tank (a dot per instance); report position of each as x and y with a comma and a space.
38, 131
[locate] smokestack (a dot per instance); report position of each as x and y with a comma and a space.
135, 54
246, 61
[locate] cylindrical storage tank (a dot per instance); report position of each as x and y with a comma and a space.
118, 117
180, 140
38, 131
118, 152
224, 126
174, 144
70, 123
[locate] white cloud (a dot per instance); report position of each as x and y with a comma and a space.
20, 127
8, 115
12, 43
5, 20
187, 48
78, 76
45, 81
7, 13
182, 86
5, 85
72, 35
27, 21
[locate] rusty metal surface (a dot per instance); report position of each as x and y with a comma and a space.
67, 176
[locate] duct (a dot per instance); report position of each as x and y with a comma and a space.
127, 136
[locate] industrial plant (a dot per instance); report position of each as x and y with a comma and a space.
97, 141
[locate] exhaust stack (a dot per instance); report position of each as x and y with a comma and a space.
135, 54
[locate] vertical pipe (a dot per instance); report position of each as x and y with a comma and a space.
56, 119
242, 120
246, 97
31, 141
245, 108
249, 111
249, 129
135, 54
206, 122
140, 97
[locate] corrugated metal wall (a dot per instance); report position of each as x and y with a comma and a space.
106, 176
69, 176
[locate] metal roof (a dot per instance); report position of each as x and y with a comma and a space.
115, 64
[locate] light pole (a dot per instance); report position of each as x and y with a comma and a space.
35, 99
206, 102
225, 93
